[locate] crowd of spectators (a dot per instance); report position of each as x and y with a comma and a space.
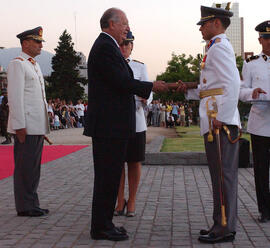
66, 115
170, 113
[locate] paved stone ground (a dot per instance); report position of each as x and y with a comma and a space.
73, 136
173, 203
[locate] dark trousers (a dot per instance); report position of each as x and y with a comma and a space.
27, 158
109, 156
229, 156
260, 150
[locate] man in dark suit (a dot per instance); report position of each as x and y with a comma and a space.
110, 118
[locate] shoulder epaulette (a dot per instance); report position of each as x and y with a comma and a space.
252, 58
138, 61
19, 58
217, 40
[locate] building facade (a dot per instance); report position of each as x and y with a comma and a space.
235, 31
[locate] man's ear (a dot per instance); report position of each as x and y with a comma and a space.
111, 24
260, 40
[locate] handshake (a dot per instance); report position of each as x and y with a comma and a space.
161, 86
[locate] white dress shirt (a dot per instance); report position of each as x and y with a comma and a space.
140, 73
256, 74
220, 71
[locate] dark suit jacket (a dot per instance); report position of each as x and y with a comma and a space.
111, 90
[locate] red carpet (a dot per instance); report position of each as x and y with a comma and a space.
49, 153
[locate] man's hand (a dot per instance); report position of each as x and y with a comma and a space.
182, 87
21, 133
160, 86
257, 92
216, 124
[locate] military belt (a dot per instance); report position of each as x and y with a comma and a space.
211, 92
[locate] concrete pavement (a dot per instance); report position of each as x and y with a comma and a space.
173, 204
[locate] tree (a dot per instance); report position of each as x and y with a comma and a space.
180, 67
65, 80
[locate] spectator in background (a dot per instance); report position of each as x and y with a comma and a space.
170, 120
150, 114
4, 112
182, 115
168, 111
155, 117
56, 122
162, 114
175, 112
80, 112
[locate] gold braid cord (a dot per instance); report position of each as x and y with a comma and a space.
212, 114
226, 129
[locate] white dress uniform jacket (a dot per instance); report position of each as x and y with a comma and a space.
140, 73
220, 71
26, 97
256, 74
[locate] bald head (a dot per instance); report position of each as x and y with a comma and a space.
115, 23
111, 14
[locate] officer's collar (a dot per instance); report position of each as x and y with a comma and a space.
26, 56
222, 35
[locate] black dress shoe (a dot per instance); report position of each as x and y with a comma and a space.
121, 229
31, 213
113, 234
204, 232
46, 211
263, 218
212, 238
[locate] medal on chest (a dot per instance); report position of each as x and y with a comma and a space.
211, 42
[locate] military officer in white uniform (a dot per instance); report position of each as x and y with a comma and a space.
136, 145
28, 120
219, 91
256, 86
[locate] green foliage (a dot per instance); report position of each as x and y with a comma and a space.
189, 140
239, 63
65, 80
182, 68
243, 107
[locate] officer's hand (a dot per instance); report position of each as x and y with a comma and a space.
20, 134
217, 124
257, 92
159, 86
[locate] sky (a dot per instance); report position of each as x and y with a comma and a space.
160, 27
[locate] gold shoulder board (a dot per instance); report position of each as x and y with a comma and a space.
252, 58
20, 58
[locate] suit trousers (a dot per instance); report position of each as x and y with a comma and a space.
260, 150
109, 156
229, 156
27, 158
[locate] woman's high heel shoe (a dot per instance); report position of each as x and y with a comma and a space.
120, 212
